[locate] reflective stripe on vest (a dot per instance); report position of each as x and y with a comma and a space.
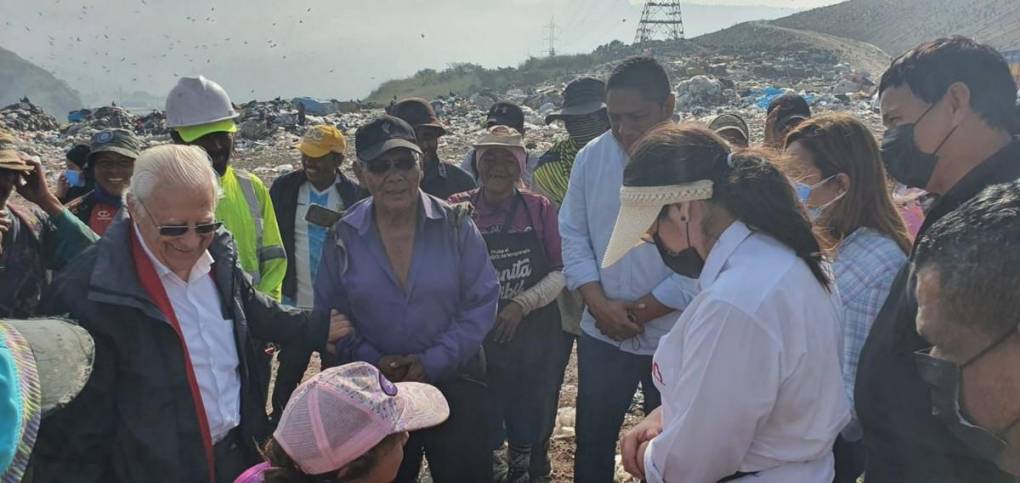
255, 208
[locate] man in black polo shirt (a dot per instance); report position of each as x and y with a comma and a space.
441, 179
948, 107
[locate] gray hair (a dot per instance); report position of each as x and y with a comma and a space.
172, 165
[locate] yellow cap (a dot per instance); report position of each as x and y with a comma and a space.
321, 140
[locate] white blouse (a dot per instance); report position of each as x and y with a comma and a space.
750, 374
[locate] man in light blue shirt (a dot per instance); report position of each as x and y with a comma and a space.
631, 304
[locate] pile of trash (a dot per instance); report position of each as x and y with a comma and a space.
701, 92
25, 116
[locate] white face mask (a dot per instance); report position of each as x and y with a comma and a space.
804, 193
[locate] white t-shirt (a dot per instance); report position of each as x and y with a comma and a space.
750, 374
309, 238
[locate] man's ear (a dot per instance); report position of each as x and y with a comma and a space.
959, 100
669, 106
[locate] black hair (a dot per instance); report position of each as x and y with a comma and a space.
932, 67
79, 155
975, 251
285, 470
643, 74
746, 183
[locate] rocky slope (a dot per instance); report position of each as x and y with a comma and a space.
897, 25
20, 78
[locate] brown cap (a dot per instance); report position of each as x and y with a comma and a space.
417, 112
9, 158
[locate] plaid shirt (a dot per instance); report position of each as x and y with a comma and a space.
865, 266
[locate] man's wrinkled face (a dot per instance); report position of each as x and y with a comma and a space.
113, 172
392, 178
219, 146
322, 170
176, 206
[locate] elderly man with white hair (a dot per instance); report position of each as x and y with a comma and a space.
173, 396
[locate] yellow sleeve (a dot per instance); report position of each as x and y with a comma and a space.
272, 257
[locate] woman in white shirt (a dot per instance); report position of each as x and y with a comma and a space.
750, 374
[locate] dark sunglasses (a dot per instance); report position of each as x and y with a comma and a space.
174, 231
181, 230
380, 166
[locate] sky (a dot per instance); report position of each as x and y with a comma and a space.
321, 48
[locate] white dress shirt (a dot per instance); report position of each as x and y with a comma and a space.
210, 340
587, 218
750, 375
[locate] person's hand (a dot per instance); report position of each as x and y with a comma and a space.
340, 327
62, 186
393, 367
415, 371
36, 191
507, 322
5, 226
616, 320
634, 444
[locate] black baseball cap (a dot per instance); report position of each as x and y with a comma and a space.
383, 134
584, 95
417, 112
505, 114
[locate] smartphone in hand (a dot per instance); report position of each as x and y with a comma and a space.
322, 216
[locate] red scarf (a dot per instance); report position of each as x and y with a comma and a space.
154, 287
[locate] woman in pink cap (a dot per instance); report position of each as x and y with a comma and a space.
347, 424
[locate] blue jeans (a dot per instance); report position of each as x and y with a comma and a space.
607, 379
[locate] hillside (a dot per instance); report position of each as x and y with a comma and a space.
750, 40
897, 25
772, 40
20, 78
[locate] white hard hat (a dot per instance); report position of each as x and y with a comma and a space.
197, 100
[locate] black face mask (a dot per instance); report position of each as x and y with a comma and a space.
905, 162
687, 262
944, 379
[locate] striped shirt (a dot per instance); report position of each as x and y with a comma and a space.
866, 264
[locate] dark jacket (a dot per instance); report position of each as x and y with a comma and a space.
35, 244
136, 420
82, 206
905, 443
284, 193
444, 180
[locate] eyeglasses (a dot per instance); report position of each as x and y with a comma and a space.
380, 166
174, 231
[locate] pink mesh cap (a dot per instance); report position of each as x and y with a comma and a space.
342, 412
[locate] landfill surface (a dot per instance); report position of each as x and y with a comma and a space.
706, 84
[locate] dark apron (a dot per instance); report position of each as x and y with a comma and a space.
522, 370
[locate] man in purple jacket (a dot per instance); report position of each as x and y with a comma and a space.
413, 274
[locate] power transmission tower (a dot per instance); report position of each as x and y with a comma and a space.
660, 19
551, 37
